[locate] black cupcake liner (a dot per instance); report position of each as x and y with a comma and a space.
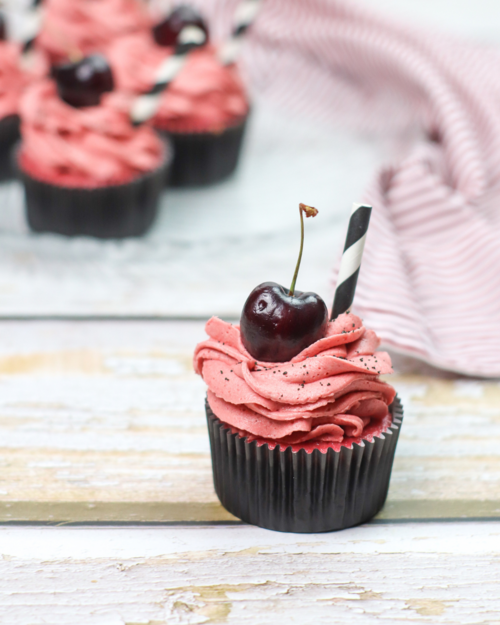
110, 212
204, 158
299, 491
9, 136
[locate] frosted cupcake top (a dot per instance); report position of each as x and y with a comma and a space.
14, 78
205, 97
88, 25
329, 395
84, 147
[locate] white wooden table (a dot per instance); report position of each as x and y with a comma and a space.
108, 513
107, 510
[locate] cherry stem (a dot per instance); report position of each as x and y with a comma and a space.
309, 212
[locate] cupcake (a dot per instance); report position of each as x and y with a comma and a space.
88, 26
14, 77
203, 110
85, 168
302, 429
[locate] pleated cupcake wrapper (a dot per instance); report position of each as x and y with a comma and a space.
108, 212
9, 136
202, 158
298, 491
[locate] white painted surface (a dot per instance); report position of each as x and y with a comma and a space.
59, 543
477, 19
423, 573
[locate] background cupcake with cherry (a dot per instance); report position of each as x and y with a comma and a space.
302, 429
86, 169
202, 105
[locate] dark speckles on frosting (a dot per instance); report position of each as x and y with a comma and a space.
325, 394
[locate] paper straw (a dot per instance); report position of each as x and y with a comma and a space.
32, 25
351, 259
146, 105
244, 18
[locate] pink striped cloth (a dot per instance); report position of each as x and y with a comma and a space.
430, 279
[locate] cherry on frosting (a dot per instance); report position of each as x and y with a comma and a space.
276, 326
278, 323
82, 83
166, 32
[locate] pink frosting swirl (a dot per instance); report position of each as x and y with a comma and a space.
327, 396
88, 26
204, 97
86, 147
14, 78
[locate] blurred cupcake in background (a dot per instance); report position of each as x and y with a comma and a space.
88, 25
203, 110
86, 169
16, 72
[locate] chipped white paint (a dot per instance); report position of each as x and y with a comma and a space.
447, 573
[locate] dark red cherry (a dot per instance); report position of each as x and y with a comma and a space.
166, 32
277, 323
276, 326
3, 29
83, 83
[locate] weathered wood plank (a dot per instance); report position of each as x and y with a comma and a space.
434, 573
105, 422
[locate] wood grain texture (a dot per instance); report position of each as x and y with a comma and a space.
420, 573
105, 422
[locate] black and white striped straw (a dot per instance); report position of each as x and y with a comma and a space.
351, 259
244, 18
33, 19
146, 105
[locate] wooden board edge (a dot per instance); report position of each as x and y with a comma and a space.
199, 513
112, 512
438, 509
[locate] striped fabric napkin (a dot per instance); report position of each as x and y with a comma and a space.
430, 279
